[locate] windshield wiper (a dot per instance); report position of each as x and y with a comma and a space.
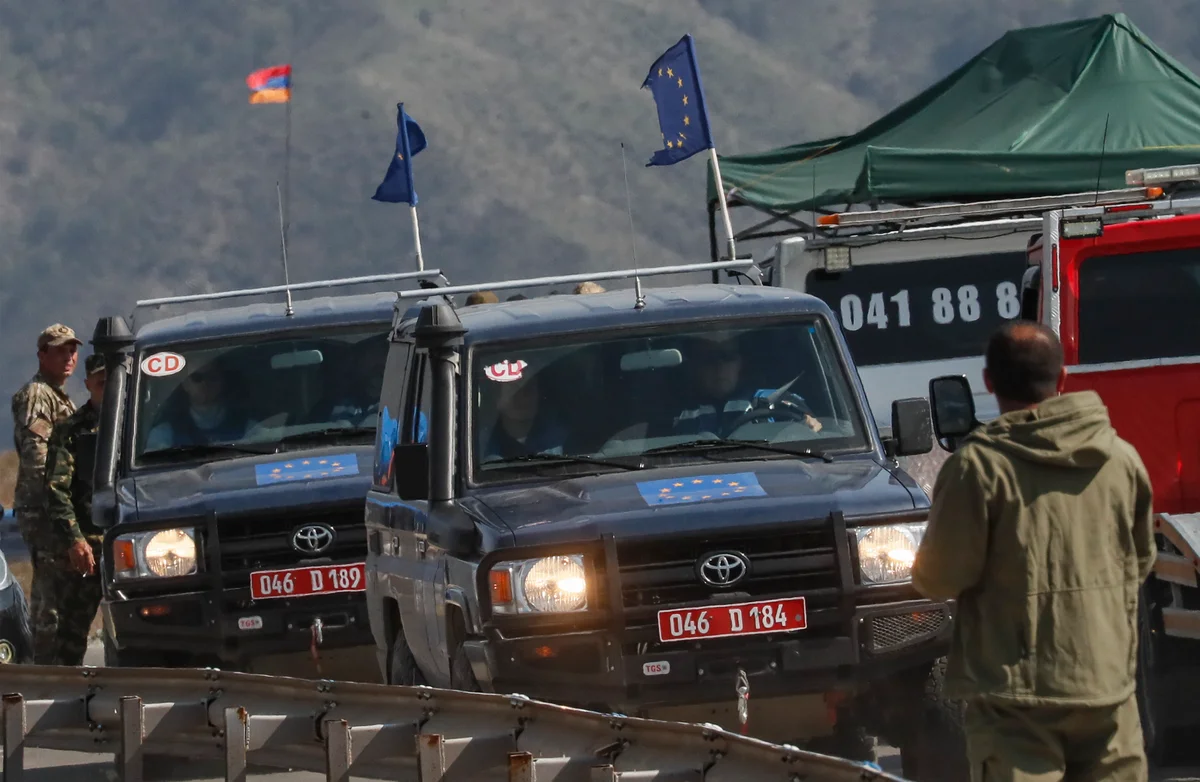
207, 449
332, 431
554, 457
719, 445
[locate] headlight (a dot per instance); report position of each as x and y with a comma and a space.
544, 585
158, 553
886, 554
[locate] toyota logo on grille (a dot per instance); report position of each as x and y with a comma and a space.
723, 569
313, 538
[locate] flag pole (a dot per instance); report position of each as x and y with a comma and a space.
287, 163
417, 235
712, 157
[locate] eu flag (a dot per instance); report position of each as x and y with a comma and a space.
674, 80
310, 469
701, 488
397, 185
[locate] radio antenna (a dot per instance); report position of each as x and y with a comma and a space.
639, 299
1100, 168
283, 247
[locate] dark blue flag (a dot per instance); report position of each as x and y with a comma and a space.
674, 80
397, 185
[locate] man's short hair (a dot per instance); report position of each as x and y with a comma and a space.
589, 287
93, 364
1024, 360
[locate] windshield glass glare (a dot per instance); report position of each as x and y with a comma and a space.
616, 395
258, 394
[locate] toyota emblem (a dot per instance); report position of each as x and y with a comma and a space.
723, 569
313, 538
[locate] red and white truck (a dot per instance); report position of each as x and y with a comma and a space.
1117, 275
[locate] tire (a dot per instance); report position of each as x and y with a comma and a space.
462, 676
24, 643
402, 667
1149, 689
938, 750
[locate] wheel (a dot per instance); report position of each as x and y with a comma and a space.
23, 644
1149, 690
937, 751
462, 676
402, 667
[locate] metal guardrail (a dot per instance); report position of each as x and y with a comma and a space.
372, 730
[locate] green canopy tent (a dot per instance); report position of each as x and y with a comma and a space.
1042, 111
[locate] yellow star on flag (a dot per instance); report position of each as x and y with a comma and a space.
680, 82
733, 483
399, 156
687, 120
698, 480
660, 71
678, 484
670, 73
685, 100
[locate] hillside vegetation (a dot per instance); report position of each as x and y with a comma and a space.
133, 165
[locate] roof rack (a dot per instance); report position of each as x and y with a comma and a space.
427, 274
1003, 207
740, 263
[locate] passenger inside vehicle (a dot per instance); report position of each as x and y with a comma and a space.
202, 414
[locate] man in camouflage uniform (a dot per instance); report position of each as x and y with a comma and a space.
37, 408
69, 512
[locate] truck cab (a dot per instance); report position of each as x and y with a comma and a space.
1116, 275
232, 458
673, 504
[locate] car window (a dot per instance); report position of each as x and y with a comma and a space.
620, 394
258, 392
1139, 306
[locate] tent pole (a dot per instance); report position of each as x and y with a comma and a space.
712, 157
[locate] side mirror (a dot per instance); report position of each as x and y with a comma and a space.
912, 432
86, 444
410, 466
953, 406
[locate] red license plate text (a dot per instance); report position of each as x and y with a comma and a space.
765, 616
305, 581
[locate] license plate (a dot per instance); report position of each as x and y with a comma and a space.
305, 581
764, 616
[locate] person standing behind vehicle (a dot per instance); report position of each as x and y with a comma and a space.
69, 512
37, 408
1041, 526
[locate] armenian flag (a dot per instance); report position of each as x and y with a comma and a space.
271, 85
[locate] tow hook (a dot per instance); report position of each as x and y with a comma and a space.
318, 637
743, 700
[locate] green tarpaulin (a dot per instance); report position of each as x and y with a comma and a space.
1024, 117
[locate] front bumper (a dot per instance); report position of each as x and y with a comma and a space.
612, 657
593, 668
231, 628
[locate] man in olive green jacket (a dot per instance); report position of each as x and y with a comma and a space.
1041, 527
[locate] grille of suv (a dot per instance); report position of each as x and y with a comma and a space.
262, 542
658, 574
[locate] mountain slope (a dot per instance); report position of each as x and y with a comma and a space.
134, 167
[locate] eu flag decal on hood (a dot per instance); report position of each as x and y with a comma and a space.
701, 488
310, 469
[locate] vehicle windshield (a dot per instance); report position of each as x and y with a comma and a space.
925, 310
671, 393
258, 395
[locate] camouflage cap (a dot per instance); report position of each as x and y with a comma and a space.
56, 335
94, 363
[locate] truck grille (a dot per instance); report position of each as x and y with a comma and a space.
657, 574
261, 542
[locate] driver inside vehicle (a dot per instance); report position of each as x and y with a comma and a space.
714, 370
524, 424
201, 414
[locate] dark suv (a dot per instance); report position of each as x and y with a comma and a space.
233, 457
676, 507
